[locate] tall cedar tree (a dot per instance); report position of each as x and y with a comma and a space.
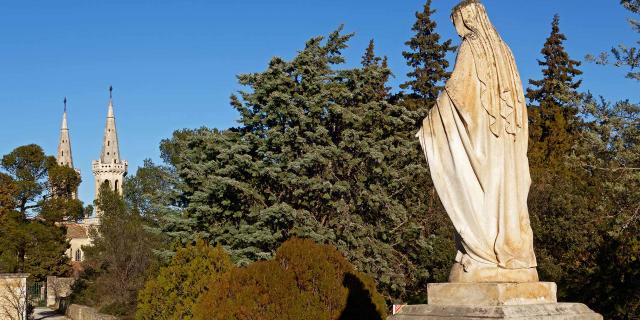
320, 153
427, 57
553, 100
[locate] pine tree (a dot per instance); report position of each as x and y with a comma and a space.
553, 99
427, 57
36, 194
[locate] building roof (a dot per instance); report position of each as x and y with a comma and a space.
77, 231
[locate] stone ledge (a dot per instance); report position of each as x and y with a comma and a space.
547, 311
491, 294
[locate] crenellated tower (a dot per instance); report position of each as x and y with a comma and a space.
110, 167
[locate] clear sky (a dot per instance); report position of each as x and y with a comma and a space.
173, 63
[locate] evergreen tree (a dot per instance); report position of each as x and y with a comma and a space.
375, 75
27, 165
427, 57
369, 58
320, 153
584, 159
553, 100
120, 258
625, 55
153, 193
37, 194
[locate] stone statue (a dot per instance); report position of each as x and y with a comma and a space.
475, 140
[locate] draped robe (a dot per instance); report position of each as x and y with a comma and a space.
475, 140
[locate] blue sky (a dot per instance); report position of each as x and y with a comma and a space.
173, 63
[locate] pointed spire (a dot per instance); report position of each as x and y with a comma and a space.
64, 116
64, 157
110, 149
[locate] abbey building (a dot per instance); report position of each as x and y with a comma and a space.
109, 168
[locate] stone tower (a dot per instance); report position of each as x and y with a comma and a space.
64, 145
110, 167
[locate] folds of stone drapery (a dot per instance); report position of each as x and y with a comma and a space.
482, 181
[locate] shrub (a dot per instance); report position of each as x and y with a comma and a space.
172, 293
304, 281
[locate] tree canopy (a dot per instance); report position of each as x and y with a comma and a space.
321, 153
36, 194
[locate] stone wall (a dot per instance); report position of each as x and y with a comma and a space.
78, 312
57, 290
13, 296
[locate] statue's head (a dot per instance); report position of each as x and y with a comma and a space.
466, 18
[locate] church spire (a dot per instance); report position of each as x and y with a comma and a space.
110, 168
110, 149
64, 157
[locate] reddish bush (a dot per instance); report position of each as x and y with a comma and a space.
305, 281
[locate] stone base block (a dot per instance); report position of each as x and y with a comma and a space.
491, 294
547, 311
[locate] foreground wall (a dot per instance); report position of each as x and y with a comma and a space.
78, 312
13, 296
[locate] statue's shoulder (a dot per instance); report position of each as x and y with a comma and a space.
465, 51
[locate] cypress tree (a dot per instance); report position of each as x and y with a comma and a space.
427, 58
553, 99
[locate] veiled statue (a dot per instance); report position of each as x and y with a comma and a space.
475, 140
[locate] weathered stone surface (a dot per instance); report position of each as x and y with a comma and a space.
13, 295
476, 272
491, 294
58, 288
79, 312
547, 311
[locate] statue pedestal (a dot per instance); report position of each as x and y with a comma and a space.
527, 300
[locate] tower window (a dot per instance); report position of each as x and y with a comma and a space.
107, 153
108, 143
63, 153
